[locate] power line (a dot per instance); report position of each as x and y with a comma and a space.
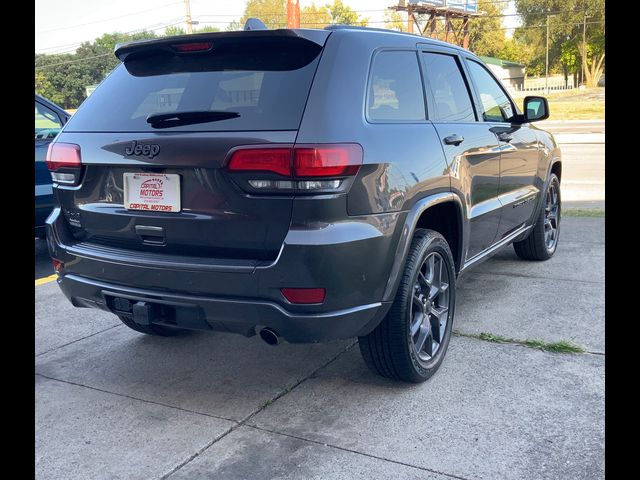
72, 61
155, 26
107, 19
96, 56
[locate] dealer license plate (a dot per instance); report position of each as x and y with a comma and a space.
152, 191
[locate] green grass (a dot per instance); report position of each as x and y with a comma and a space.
556, 347
583, 212
588, 110
585, 104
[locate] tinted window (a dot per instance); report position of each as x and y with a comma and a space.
450, 93
495, 103
47, 122
395, 89
268, 91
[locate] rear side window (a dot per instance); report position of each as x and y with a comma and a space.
450, 93
266, 83
395, 88
495, 103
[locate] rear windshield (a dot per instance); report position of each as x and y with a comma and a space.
265, 84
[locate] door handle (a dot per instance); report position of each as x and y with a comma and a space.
505, 137
454, 139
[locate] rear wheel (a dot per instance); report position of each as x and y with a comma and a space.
411, 342
541, 244
157, 330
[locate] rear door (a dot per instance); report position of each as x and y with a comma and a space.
471, 148
257, 82
518, 145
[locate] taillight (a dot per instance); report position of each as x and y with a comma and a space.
64, 162
327, 161
276, 160
312, 168
304, 295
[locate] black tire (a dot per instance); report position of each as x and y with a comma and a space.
537, 245
157, 330
390, 349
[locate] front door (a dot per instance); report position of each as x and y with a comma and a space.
519, 147
471, 148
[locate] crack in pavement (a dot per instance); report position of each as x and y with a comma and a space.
124, 395
273, 399
397, 462
77, 340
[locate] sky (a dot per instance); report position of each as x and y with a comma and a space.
62, 25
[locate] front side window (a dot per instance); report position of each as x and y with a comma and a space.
450, 93
395, 89
495, 103
47, 123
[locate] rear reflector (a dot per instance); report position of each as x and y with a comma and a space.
327, 160
276, 160
57, 265
304, 295
192, 47
63, 155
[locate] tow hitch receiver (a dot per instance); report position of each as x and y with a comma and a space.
142, 313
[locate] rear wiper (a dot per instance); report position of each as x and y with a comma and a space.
176, 119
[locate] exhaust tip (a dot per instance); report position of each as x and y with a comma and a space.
269, 336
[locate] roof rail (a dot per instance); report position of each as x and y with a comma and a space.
255, 24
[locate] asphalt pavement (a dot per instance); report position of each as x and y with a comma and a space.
115, 404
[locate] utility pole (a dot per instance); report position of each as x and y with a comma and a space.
546, 63
584, 48
187, 16
293, 13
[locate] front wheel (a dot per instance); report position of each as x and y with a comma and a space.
542, 242
411, 341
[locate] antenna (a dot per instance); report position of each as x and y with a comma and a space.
255, 24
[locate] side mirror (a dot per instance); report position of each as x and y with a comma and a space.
535, 108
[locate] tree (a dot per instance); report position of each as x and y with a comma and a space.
394, 21
569, 59
486, 36
344, 15
173, 30
234, 26
206, 28
515, 50
313, 16
63, 78
566, 20
273, 13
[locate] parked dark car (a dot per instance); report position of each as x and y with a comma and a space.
304, 184
49, 120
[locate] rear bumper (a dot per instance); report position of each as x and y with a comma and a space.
350, 259
230, 315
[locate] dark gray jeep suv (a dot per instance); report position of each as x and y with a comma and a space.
303, 184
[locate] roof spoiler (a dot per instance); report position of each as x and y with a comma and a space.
122, 50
